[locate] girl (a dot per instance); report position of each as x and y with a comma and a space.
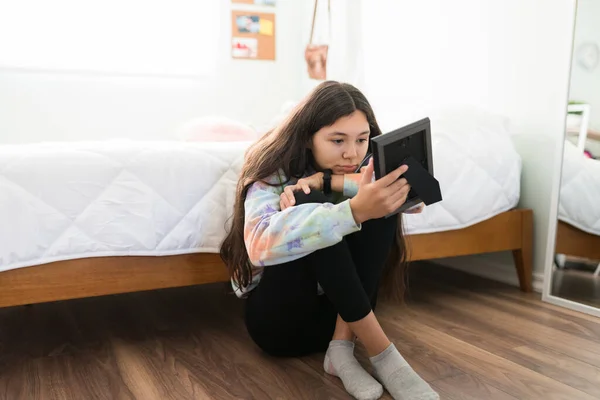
309, 243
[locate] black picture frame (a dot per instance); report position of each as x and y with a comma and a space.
391, 149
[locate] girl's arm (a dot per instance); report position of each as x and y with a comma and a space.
346, 184
273, 236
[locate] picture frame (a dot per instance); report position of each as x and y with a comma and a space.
393, 149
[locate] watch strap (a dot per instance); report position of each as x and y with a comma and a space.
327, 181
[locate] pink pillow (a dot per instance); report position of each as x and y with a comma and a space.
217, 129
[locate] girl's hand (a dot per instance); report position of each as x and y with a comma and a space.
376, 199
287, 198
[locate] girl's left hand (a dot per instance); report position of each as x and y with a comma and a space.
287, 198
417, 209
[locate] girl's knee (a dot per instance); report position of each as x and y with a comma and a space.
384, 224
315, 196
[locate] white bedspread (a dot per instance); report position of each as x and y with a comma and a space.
478, 168
63, 201
71, 200
579, 203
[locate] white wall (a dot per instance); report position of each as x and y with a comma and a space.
510, 57
48, 106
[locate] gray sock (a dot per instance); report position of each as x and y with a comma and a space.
340, 362
399, 378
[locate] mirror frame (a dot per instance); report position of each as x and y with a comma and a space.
547, 295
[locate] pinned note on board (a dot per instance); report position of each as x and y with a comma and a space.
266, 27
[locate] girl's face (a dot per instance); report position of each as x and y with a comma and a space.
342, 146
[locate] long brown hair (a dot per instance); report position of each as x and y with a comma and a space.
285, 149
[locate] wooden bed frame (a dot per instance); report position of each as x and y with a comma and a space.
87, 277
572, 241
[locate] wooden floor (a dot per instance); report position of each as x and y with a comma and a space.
579, 286
471, 338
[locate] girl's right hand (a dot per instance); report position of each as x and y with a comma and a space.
381, 197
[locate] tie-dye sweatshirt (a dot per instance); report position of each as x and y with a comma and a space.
275, 237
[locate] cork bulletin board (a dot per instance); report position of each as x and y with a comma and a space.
252, 35
256, 2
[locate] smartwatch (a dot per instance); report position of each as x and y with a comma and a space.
327, 181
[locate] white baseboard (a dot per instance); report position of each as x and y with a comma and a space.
490, 267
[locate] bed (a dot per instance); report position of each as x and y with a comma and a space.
578, 230
95, 218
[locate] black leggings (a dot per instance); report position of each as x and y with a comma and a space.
285, 316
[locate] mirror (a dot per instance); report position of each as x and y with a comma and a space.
575, 274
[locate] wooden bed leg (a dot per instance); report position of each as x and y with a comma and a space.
523, 257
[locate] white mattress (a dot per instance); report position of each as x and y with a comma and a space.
478, 169
72, 200
579, 203
63, 201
